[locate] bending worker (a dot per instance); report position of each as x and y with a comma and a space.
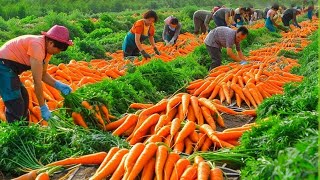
171, 30
291, 14
225, 37
223, 17
30, 52
201, 20
140, 31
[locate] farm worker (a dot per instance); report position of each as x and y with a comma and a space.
310, 10
225, 37
140, 31
271, 18
291, 14
30, 52
257, 14
223, 17
202, 18
238, 17
171, 30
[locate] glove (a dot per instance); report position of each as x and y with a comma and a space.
156, 50
45, 113
243, 62
144, 54
65, 89
171, 41
299, 26
166, 41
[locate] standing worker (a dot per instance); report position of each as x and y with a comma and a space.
201, 20
140, 31
30, 52
291, 14
223, 17
225, 37
171, 30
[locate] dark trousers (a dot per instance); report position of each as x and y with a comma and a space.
199, 24
14, 94
215, 54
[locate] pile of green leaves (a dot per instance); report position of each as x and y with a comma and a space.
62, 139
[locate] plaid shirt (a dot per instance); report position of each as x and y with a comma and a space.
222, 37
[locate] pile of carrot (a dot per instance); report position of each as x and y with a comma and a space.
142, 161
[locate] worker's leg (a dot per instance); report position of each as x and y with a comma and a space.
197, 25
215, 54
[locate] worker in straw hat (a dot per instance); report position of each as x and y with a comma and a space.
30, 52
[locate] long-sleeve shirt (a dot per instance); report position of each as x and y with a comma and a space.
222, 37
166, 31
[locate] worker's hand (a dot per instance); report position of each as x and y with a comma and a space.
299, 26
65, 89
156, 50
171, 41
144, 54
167, 42
243, 62
45, 113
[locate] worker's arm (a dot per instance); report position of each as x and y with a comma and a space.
294, 19
151, 39
240, 54
232, 55
137, 41
37, 74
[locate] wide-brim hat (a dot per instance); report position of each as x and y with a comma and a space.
58, 33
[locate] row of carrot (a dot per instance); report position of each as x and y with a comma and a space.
146, 162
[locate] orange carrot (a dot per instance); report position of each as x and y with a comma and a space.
198, 159
119, 172
175, 126
95, 158
195, 106
161, 158
188, 146
194, 137
164, 131
226, 92
140, 106
130, 121
232, 135
202, 138
207, 116
111, 166
86, 105
115, 124
148, 152
154, 138
215, 92
28, 176
190, 114
43, 176
185, 100
163, 120
187, 129
78, 120
148, 170
133, 155
216, 174
169, 165
189, 173
179, 168
249, 96
173, 102
105, 112
203, 171
207, 144
205, 128
110, 154
251, 112
150, 121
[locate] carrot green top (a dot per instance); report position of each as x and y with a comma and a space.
22, 48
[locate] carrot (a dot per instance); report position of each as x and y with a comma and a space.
202, 88
178, 147
187, 129
99, 118
208, 104
175, 126
185, 100
207, 144
238, 90
154, 138
255, 96
169, 165
163, 120
251, 112
216, 174
110, 154
207, 116
190, 114
161, 158
111, 166
150, 121
203, 171
119, 172
179, 168
195, 106
130, 121
43, 176
238, 100
215, 92
78, 120
226, 92
190, 173
95, 158
148, 152
148, 170
208, 89
115, 124
202, 138
179, 113
173, 102
205, 128
140, 106
164, 131
105, 112
249, 96
201, 118
225, 136
28, 176
220, 120
221, 94
198, 159
133, 155
188, 146
86, 105
194, 137
242, 128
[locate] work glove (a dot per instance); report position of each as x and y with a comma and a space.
156, 51
243, 62
171, 41
45, 113
65, 89
167, 42
144, 54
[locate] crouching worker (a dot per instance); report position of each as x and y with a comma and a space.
291, 14
140, 31
30, 52
225, 37
171, 30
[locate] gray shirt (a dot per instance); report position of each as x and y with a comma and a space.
203, 15
176, 33
222, 37
221, 13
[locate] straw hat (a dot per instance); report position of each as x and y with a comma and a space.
58, 33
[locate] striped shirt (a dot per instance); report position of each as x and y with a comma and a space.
222, 37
